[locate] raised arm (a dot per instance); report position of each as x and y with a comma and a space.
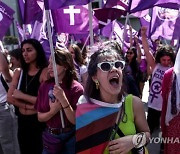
139, 54
149, 57
4, 68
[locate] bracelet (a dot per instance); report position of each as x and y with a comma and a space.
139, 140
66, 106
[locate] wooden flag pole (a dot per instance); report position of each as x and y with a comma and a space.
53, 57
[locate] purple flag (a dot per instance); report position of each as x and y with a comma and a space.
163, 22
118, 4
56, 4
145, 22
32, 12
73, 20
139, 5
176, 33
107, 14
20, 32
21, 8
6, 18
115, 30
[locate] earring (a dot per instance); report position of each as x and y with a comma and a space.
97, 84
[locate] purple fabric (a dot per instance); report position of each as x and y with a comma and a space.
119, 4
42, 104
106, 14
115, 30
163, 22
176, 33
20, 32
76, 22
21, 6
145, 22
56, 4
32, 12
139, 5
6, 18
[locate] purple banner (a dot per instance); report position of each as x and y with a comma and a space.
163, 22
139, 5
56, 4
118, 4
6, 18
73, 20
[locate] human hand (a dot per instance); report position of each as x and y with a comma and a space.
17, 94
58, 92
55, 106
143, 30
121, 145
136, 39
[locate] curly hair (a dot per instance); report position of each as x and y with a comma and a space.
164, 50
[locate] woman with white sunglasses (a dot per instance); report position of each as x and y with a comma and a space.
108, 120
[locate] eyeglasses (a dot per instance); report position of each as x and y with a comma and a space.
107, 66
129, 53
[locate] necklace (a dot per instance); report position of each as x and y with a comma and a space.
28, 83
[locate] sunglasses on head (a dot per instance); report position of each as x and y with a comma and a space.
107, 66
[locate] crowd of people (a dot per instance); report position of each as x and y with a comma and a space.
95, 106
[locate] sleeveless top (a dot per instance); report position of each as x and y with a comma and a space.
94, 121
155, 97
30, 84
3, 93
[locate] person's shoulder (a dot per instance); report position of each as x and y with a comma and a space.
44, 74
137, 103
169, 71
76, 84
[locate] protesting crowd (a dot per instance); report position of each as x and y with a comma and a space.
65, 90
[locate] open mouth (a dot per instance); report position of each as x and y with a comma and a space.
114, 81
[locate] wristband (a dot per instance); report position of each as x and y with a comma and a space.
66, 106
139, 140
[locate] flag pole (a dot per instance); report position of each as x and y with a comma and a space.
2, 47
124, 32
90, 24
53, 57
85, 43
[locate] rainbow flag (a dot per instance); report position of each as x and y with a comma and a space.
94, 125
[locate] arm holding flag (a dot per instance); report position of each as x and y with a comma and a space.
148, 54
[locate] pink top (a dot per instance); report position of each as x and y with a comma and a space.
42, 104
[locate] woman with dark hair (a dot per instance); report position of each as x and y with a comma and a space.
108, 121
23, 94
15, 58
53, 98
79, 63
163, 60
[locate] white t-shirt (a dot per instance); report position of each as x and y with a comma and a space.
155, 97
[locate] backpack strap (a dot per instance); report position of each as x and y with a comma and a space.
5, 85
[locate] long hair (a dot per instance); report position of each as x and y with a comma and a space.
133, 64
104, 51
78, 56
41, 60
64, 58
